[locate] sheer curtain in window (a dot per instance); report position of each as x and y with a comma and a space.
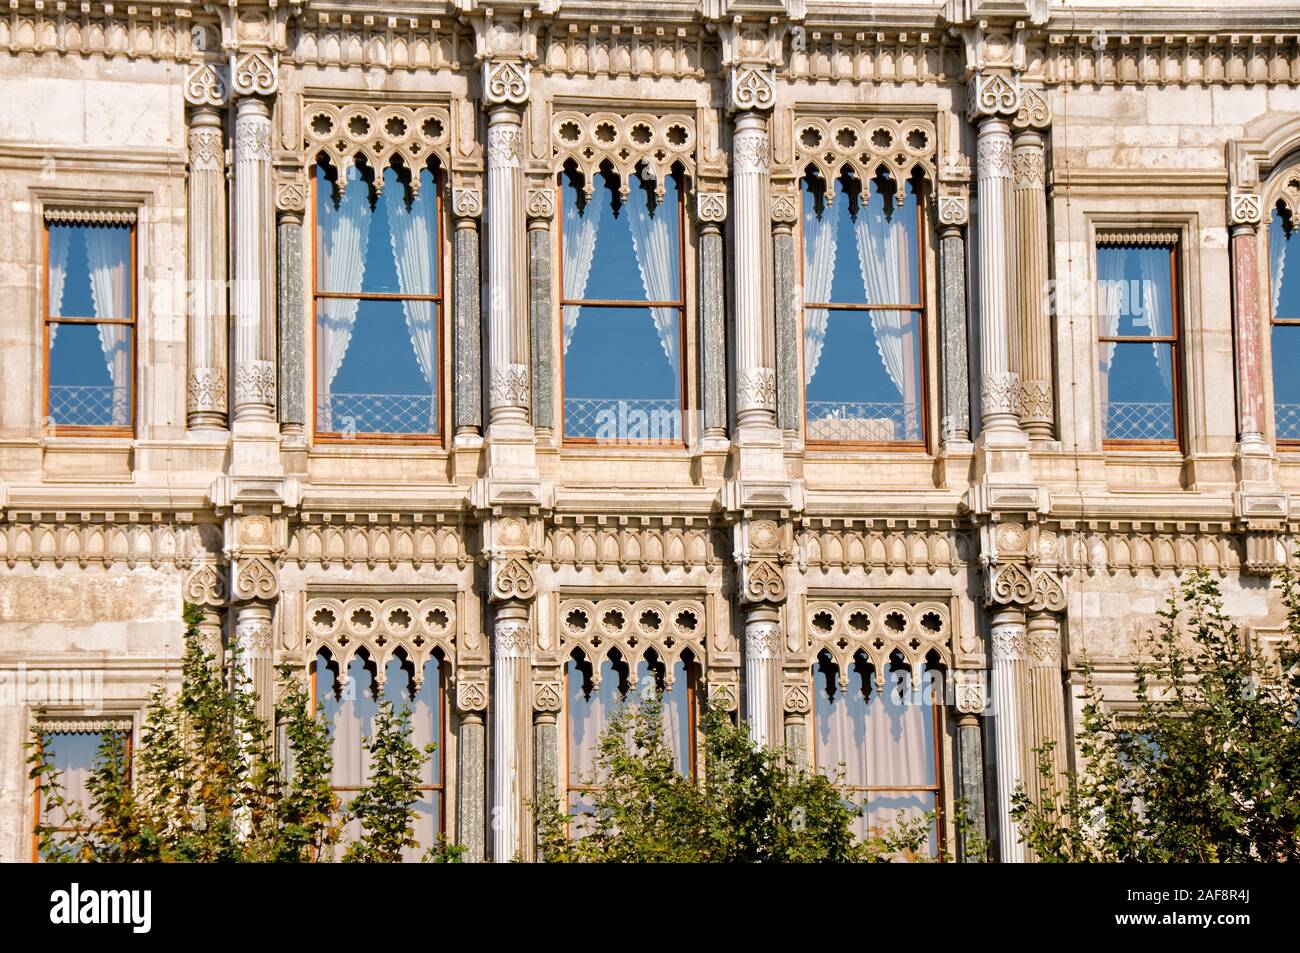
1154, 267
579, 237
655, 244
884, 255
412, 230
58, 274
1110, 304
109, 259
343, 235
1277, 242
819, 247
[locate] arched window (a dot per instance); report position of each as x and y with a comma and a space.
349, 707
863, 328
622, 308
377, 294
593, 698
883, 737
1284, 316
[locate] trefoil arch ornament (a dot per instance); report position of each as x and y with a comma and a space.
382, 626
653, 142
668, 627
879, 629
866, 147
382, 135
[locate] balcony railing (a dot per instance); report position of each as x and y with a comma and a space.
105, 406
377, 413
1139, 420
623, 420
862, 421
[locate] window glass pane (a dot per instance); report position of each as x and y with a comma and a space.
621, 249
622, 378
382, 244
590, 708
1284, 270
882, 815
1137, 394
863, 375
860, 248
377, 365
1286, 380
73, 755
90, 271
90, 375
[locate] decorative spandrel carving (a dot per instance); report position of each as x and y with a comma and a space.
667, 627
379, 134
879, 629
866, 146
654, 142
385, 627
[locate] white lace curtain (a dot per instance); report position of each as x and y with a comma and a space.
881, 739
343, 235
1110, 305
110, 288
654, 243
58, 274
579, 237
1154, 267
413, 233
819, 247
1277, 242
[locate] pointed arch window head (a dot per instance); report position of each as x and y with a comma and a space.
622, 306
1284, 319
863, 308
378, 301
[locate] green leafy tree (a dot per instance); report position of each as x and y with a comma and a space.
385, 806
1208, 767
749, 806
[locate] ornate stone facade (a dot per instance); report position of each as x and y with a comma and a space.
1010, 544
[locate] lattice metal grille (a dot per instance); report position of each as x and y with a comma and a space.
377, 413
865, 421
100, 406
648, 418
1288, 421
1139, 420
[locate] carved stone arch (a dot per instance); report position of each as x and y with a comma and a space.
901, 147
382, 135
657, 143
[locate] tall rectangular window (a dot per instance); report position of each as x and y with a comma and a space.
622, 308
1137, 342
863, 337
90, 325
882, 741
349, 706
378, 301
1284, 315
73, 753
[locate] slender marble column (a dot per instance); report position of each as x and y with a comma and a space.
539, 307
970, 779
1045, 715
755, 345
253, 639
471, 787
1248, 333
762, 655
1008, 631
468, 396
999, 386
512, 644
508, 386
712, 328
292, 336
1034, 326
545, 759
953, 359
212, 634
206, 390
789, 373
254, 292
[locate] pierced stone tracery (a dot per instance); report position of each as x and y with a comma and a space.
381, 627
625, 142
866, 146
915, 630
665, 627
380, 134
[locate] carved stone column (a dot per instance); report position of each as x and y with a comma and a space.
760, 545
512, 647
1244, 215
508, 348
970, 704
253, 646
789, 373
751, 285
254, 290
762, 664
993, 101
206, 213
291, 204
1045, 711
467, 205
954, 421
1034, 324
471, 775
540, 207
711, 212
1009, 655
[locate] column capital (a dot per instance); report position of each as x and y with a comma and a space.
993, 95
1245, 209
505, 83
953, 210
711, 207
1034, 112
206, 85
255, 72
751, 86
466, 203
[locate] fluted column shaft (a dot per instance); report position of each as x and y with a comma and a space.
512, 646
762, 658
1008, 635
1034, 329
253, 643
1045, 709
254, 291
206, 403
755, 344
999, 387
507, 270
1248, 334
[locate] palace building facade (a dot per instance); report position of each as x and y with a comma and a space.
859, 368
